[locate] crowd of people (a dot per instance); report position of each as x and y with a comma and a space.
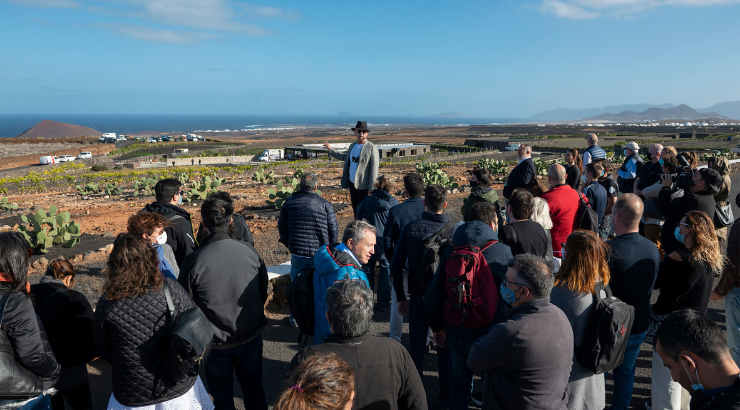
512, 293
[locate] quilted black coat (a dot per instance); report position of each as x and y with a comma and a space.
306, 222
131, 334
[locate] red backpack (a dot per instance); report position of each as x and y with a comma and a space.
470, 291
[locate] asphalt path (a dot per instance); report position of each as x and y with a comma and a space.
280, 346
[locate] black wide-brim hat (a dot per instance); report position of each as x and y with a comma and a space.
361, 125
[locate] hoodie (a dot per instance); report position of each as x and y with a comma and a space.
180, 235
497, 256
481, 193
331, 265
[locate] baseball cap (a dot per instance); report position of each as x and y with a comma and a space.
712, 177
633, 146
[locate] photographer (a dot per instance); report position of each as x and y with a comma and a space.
699, 187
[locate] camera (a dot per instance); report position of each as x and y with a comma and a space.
683, 174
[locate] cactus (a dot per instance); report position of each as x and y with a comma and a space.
206, 186
49, 230
88, 189
493, 166
6, 206
113, 189
144, 186
264, 177
433, 175
183, 177
281, 194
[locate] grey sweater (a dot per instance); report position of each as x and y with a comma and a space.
586, 390
526, 360
367, 167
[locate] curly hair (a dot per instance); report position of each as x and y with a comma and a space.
705, 249
585, 264
132, 268
145, 223
321, 382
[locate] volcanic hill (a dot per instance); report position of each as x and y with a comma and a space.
55, 129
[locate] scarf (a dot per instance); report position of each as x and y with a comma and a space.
4, 277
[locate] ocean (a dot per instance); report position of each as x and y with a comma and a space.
14, 124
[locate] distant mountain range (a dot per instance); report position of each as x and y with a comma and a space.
637, 112
55, 129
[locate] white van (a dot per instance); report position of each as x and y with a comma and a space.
48, 160
512, 147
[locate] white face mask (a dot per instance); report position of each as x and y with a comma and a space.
162, 239
584, 178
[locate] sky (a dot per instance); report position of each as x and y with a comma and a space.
493, 58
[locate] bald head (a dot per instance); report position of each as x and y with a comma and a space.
592, 139
557, 174
629, 207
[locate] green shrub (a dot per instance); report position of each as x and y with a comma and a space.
264, 177
113, 189
49, 230
144, 186
493, 166
6, 206
99, 167
431, 174
88, 189
206, 186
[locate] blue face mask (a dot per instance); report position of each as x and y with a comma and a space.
698, 386
508, 294
678, 235
660, 161
625, 153
180, 201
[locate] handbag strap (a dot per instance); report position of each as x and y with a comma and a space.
170, 305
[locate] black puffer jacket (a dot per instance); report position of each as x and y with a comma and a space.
306, 222
131, 334
180, 235
22, 326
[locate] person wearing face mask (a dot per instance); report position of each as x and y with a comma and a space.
693, 349
68, 320
523, 366
584, 266
697, 197
152, 227
594, 191
729, 288
480, 190
652, 220
686, 280
168, 193
630, 168
650, 172
524, 175
633, 266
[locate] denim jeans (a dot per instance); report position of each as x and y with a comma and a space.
462, 376
624, 374
42, 402
246, 361
418, 329
732, 320
384, 279
297, 265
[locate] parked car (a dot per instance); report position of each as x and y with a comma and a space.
84, 154
512, 147
48, 160
66, 158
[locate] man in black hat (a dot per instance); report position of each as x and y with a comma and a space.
698, 196
361, 163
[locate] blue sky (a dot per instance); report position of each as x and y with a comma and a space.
480, 58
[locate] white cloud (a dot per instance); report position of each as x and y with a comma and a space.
588, 9
272, 12
567, 10
46, 4
152, 35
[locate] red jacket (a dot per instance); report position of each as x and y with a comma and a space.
563, 202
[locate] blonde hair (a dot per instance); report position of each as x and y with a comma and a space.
541, 213
706, 248
585, 264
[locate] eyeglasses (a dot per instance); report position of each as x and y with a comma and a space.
507, 283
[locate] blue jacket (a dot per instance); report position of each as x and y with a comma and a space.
410, 247
497, 256
375, 209
331, 265
398, 217
306, 222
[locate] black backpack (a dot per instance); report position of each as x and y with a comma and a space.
609, 331
586, 218
190, 341
434, 248
300, 301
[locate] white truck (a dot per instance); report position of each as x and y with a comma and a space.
48, 160
271, 155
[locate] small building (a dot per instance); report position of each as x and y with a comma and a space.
384, 150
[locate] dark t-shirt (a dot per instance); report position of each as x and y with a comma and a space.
596, 195
574, 176
611, 186
525, 237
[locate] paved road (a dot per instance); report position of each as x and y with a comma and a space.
280, 347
